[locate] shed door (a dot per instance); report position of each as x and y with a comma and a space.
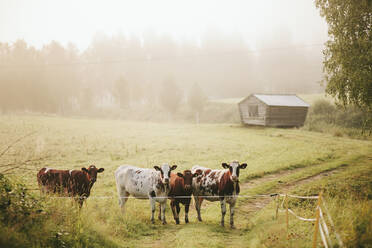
253, 110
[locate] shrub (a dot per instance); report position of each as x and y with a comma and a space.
17, 206
328, 118
323, 107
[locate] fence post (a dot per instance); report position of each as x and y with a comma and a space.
286, 214
316, 229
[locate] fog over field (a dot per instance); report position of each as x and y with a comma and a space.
112, 112
68, 56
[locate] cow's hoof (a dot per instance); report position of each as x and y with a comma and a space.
177, 221
222, 224
233, 227
159, 217
200, 219
186, 220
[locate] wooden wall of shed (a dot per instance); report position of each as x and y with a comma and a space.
244, 114
285, 116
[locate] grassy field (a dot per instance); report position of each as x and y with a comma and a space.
275, 157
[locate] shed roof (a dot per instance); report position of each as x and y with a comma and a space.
280, 100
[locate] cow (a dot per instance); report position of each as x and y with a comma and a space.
152, 184
73, 183
222, 185
53, 181
81, 182
180, 186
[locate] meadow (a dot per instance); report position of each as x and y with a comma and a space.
276, 158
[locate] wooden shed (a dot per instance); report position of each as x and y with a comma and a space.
273, 110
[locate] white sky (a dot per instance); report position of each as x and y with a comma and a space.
40, 21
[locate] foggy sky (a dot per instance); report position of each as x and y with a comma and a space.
40, 21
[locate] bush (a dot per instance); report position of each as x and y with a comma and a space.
17, 207
323, 107
27, 220
20, 214
328, 118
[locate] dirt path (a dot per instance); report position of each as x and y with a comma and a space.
255, 204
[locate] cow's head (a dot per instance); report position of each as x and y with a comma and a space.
165, 171
234, 168
187, 179
92, 172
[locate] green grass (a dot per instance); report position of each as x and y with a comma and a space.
67, 143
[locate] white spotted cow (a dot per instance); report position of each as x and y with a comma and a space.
144, 184
222, 185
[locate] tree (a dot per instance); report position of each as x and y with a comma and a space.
170, 95
196, 100
87, 100
122, 92
348, 53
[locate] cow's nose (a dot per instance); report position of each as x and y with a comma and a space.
166, 180
234, 178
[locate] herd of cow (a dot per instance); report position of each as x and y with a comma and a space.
157, 185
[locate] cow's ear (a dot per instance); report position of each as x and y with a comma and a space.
224, 165
84, 169
195, 174
173, 167
179, 174
157, 168
100, 170
243, 166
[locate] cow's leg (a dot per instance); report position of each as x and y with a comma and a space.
223, 210
198, 201
159, 215
232, 207
123, 198
163, 205
81, 201
187, 205
178, 209
43, 189
153, 206
173, 207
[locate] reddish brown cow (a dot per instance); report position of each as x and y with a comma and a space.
181, 185
81, 182
53, 181
73, 183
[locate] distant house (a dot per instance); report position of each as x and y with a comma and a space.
273, 110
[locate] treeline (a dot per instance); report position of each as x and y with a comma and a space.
154, 70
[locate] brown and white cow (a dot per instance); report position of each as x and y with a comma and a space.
73, 183
222, 185
181, 185
141, 183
